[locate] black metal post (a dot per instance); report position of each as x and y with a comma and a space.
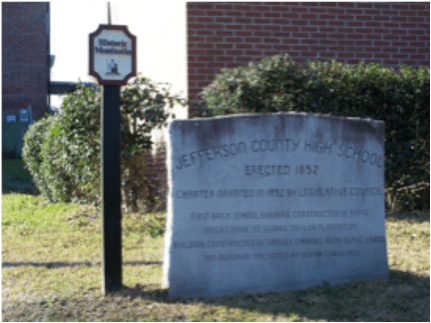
111, 189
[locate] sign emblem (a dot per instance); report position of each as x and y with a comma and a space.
112, 54
112, 68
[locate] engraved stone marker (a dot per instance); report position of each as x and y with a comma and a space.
273, 202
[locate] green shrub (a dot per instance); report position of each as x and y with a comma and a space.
399, 98
137, 185
31, 154
69, 153
144, 107
71, 149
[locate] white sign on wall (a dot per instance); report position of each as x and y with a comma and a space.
11, 118
23, 115
112, 54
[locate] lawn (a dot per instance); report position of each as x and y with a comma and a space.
51, 266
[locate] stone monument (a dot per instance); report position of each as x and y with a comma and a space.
273, 202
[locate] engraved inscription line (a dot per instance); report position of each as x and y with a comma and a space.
276, 145
279, 192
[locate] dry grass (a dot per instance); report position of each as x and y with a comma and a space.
51, 272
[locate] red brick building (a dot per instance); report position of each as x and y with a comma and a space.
25, 57
229, 34
25, 70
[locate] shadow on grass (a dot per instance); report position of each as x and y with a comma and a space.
418, 216
73, 264
16, 179
18, 185
404, 297
19, 189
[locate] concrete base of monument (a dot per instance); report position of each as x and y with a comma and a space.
261, 285
273, 202
253, 276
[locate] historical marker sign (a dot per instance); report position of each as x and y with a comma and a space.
112, 54
274, 202
112, 62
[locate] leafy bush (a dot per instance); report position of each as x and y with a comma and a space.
68, 155
144, 107
137, 182
31, 154
71, 149
399, 98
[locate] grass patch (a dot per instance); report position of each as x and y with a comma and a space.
51, 272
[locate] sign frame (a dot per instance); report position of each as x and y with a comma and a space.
100, 79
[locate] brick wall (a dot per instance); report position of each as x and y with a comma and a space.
223, 35
230, 34
25, 57
157, 163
